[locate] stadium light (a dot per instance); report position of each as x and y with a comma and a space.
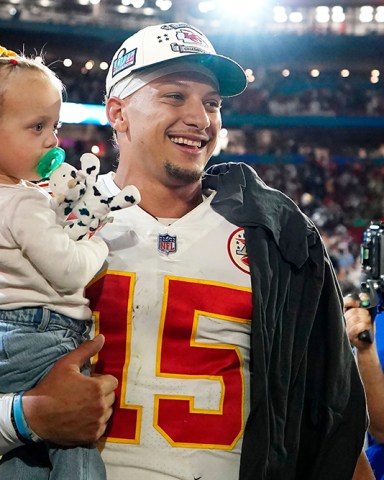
322, 15
296, 17
222, 142
138, 3
134, 3
148, 11
223, 133
280, 15
89, 64
164, 5
314, 73
205, 7
379, 17
366, 14
240, 9
250, 75
338, 15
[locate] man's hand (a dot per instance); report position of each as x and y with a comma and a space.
357, 320
67, 407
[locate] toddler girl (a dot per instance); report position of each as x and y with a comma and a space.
43, 311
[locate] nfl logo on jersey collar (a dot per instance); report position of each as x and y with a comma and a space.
167, 243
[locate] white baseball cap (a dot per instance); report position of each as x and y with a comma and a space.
170, 43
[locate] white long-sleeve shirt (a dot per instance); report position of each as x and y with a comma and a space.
39, 264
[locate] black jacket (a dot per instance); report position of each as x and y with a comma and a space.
308, 412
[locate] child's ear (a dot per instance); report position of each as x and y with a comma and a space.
115, 114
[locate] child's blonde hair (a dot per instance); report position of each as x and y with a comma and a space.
12, 63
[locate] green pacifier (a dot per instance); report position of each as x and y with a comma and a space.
51, 160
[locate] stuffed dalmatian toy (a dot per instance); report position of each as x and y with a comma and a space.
79, 205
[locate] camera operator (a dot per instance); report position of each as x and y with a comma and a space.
365, 328
370, 360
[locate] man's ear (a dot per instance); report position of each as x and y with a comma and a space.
115, 114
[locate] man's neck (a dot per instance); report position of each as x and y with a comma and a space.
165, 201
171, 205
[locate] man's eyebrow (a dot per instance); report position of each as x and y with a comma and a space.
181, 83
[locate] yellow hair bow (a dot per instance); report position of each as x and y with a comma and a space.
7, 53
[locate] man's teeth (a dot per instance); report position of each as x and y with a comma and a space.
186, 141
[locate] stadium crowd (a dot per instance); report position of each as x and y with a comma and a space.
336, 177
359, 94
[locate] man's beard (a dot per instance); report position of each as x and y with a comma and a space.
186, 176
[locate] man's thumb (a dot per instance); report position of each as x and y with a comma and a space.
85, 351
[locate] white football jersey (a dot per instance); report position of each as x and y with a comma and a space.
174, 303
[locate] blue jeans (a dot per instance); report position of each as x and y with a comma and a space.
31, 341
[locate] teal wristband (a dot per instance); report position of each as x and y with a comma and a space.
22, 427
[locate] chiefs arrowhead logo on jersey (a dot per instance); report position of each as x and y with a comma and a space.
237, 250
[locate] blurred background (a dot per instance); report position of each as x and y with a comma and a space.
311, 121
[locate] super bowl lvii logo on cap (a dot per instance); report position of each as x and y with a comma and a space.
123, 60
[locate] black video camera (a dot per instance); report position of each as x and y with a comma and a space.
372, 255
372, 264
